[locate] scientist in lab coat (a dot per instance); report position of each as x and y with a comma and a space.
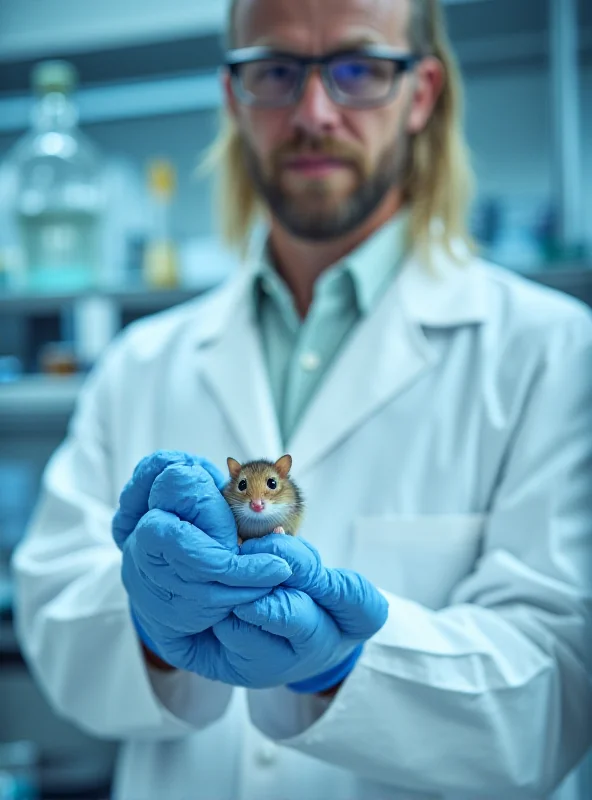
438, 410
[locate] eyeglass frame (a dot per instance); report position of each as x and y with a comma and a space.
247, 55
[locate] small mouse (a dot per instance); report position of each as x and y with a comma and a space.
263, 498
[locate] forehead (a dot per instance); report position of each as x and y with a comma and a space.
316, 26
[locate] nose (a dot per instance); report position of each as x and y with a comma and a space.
257, 505
316, 113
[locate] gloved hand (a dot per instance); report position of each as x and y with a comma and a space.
279, 640
180, 563
289, 638
133, 502
355, 605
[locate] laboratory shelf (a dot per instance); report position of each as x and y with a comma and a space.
574, 280
130, 73
130, 299
37, 399
178, 94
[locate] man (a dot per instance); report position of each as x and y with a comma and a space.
438, 411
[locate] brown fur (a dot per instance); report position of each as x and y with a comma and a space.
257, 473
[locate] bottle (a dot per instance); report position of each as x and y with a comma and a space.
58, 200
160, 267
19, 771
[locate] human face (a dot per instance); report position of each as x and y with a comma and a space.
323, 168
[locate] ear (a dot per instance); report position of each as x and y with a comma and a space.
427, 83
229, 96
283, 466
233, 467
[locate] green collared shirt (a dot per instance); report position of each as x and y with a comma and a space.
300, 352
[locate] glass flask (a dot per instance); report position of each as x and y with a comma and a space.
58, 202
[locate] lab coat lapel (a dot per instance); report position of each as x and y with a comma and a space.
233, 368
380, 359
387, 351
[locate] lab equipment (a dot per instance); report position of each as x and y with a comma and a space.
19, 771
58, 202
161, 266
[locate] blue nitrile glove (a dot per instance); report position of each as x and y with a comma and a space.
289, 638
356, 606
180, 563
283, 638
133, 503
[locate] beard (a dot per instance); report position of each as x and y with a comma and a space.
313, 214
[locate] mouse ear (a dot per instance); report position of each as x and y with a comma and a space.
233, 467
283, 466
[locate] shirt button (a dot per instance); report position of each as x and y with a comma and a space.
266, 755
310, 362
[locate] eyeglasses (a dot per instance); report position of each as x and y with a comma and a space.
363, 78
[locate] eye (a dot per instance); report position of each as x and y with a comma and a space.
242, 485
371, 77
272, 483
269, 76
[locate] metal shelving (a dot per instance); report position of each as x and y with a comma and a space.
37, 400
128, 71
130, 100
126, 299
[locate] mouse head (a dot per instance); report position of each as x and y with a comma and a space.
260, 482
282, 466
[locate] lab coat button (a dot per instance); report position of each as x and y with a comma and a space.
310, 362
266, 755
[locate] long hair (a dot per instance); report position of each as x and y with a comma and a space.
438, 179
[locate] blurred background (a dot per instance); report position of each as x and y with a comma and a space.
105, 110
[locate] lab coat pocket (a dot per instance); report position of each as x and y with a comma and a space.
421, 557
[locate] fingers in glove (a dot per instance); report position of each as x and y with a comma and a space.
355, 604
250, 642
189, 608
200, 653
183, 557
191, 494
219, 478
308, 573
133, 502
288, 613
253, 658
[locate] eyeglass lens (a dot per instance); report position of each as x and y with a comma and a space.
362, 78
271, 81
355, 78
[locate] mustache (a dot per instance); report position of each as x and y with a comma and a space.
321, 146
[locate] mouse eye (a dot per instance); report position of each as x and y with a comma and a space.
272, 483
242, 485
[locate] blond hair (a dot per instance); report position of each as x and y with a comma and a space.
438, 179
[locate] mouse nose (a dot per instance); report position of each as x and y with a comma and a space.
257, 505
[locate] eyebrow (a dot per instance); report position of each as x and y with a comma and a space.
348, 44
360, 41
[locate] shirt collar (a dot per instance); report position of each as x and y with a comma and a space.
370, 266
441, 294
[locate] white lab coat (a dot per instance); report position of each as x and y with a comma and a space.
447, 457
